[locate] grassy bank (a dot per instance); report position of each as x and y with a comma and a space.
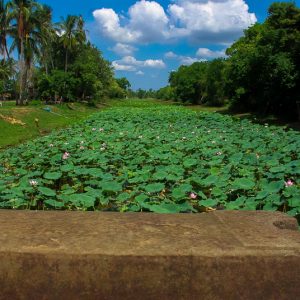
17, 124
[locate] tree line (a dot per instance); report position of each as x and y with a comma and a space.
54, 60
261, 72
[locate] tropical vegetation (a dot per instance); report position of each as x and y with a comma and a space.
55, 60
260, 73
166, 159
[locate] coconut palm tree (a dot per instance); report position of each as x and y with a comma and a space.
71, 31
4, 29
27, 34
47, 36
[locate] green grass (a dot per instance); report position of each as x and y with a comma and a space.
12, 134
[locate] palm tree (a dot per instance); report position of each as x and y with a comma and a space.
71, 31
47, 36
26, 32
4, 29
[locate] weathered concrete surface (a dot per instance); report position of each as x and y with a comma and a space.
88, 255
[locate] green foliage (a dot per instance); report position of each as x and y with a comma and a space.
188, 82
263, 73
260, 74
58, 84
165, 93
55, 59
166, 159
123, 83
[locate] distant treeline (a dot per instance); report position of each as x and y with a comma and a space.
261, 72
55, 60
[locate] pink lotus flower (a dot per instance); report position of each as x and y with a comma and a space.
193, 195
101, 129
288, 183
66, 155
81, 148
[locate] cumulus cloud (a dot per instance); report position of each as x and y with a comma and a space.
219, 21
213, 20
141, 73
183, 60
123, 49
207, 53
119, 67
129, 63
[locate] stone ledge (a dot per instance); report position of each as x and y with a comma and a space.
91, 255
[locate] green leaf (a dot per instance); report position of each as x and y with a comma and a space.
189, 162
83, 199
154, 187
165, 208
54, 204
209, 202
243, 184
210, 180
67, 168
178, 193
111, 186
123, 197
47, 192
141, 198
273, 187
294, 202
53, 175
270, 207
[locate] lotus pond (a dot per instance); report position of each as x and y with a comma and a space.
159, 158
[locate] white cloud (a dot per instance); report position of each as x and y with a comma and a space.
123, 49
147, 22
119, 67
219, 21
212, 20
207, 53
129, 63
154, 63
183, 60
171, 54
140, 73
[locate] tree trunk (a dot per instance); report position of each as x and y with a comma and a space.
22, 75
66, 62
6, 50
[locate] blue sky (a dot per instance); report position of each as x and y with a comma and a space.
145, 40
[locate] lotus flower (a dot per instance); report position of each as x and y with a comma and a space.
33, 182
66, 155
193, 195
289, 183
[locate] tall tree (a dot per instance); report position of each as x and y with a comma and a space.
47, 36
71, 31
21, 14
4, 28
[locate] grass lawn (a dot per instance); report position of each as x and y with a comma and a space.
62, 116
